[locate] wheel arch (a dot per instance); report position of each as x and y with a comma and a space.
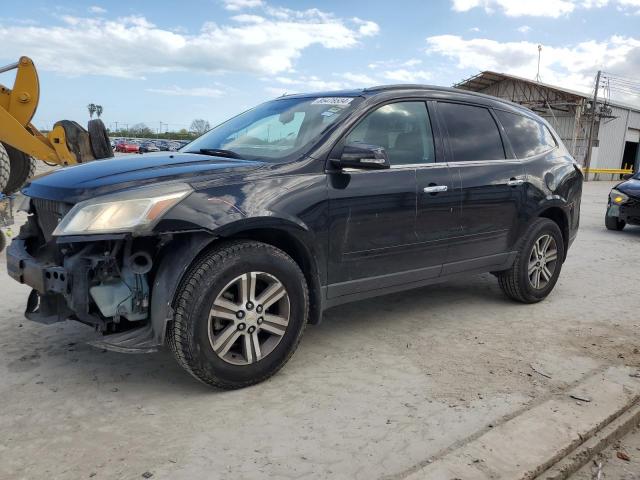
559, 217
182, 251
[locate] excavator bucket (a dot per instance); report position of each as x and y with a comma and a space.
21, 142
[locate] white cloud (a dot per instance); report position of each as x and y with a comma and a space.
517, 8
403, 75
394, 64
189, 92
360, 79
97, 10
133, 47
308, 83
594, 3
311, 83
246, 18
569, 66
538, 8
235, 5
367, 28
383, 72
524, 29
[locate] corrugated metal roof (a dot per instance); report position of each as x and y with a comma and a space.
487, 78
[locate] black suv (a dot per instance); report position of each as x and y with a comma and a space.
228, 248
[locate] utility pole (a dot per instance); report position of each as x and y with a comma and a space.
587, 162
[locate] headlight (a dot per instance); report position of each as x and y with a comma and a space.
132, 211
617, 197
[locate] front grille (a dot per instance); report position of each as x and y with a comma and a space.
48, 214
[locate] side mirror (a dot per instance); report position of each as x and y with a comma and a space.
362, 156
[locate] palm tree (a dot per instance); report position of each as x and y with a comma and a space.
98, 110
92, 109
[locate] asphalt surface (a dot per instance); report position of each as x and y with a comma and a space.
376, 391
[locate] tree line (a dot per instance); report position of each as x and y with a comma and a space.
142, 130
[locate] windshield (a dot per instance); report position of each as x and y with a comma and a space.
276, 130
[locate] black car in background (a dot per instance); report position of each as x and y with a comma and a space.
624, 204
225, 250
147, 147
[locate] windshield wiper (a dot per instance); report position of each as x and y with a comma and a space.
217, 152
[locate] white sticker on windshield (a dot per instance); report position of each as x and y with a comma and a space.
337, 101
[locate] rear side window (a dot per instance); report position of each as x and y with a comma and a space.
473, 133
527, 136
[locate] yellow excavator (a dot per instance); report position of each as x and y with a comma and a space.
22, 144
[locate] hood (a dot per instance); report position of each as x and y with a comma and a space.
79, 182
631, 187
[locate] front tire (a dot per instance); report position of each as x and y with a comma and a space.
240, 311
614, 223
537, 266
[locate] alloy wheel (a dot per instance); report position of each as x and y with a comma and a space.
249, 318
542, 261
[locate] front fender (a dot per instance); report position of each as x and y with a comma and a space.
177, 256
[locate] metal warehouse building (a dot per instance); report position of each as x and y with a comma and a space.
616, 128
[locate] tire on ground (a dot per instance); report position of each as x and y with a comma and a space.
515, 281
614, 223
5, 168
100, 143
23, 167
77, 140
188, 334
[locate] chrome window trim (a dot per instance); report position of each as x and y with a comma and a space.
485, 162
407, 166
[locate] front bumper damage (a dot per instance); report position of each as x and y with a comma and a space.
95, 282
121, 286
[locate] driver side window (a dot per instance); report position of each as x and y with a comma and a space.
403, 129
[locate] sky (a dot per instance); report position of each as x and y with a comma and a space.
167, 63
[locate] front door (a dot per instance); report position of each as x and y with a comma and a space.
372, 238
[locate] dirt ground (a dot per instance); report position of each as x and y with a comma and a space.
621, 461
375, 391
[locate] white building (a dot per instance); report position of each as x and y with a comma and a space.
617, 126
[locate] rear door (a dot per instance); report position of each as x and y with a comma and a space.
491, 183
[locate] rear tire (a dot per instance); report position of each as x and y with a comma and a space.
99, 138
209, 336
22, 168
519, 282
614, 223
5, 168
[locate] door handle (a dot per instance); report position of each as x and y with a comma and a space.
515, 182
435, 189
